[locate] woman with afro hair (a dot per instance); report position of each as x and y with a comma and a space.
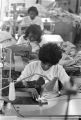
47, 66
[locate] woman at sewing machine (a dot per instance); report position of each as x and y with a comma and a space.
32, 37
47, 65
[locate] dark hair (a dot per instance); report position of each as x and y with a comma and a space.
50, 53
33, 9
36, 30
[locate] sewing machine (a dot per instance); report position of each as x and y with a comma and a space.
56, 106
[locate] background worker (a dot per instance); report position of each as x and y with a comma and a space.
32, 18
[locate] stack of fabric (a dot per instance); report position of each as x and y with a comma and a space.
67, 46
70, 57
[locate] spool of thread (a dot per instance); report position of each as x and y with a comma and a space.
9, 106
1, 104
12, 95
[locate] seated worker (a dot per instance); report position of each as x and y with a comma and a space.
32, 37
32, 18
47, 65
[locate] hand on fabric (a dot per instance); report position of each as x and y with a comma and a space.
33, 92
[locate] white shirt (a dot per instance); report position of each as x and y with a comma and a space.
36, 69
28, 21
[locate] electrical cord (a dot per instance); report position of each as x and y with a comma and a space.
13, 107
20, 115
